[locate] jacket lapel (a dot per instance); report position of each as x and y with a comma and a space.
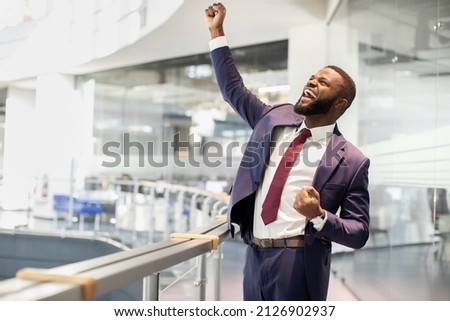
332, 158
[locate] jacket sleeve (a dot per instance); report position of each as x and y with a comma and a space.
351, 227
233, 90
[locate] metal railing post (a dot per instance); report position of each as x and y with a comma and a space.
169, 227
150, 289
201, 279
215, 210
179, 224
133, 207
193, 211
151, 216
223, 210
205, 212
218, 256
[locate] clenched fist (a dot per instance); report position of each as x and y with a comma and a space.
214, 17
307, 202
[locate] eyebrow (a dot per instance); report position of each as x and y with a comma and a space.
320, 78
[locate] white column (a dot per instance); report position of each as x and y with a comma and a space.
44, 131
19, 149
58, 135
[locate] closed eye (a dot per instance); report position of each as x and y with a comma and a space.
324, 82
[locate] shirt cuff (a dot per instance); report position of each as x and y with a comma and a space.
218, 42
319, 222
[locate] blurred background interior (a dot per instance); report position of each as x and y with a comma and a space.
112, 125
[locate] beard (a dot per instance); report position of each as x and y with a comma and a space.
319, 106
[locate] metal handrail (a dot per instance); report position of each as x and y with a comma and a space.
115, 270
110, 272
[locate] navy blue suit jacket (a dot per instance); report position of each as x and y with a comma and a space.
341, 177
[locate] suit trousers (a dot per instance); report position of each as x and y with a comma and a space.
275, 274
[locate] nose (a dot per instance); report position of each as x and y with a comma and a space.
311, 83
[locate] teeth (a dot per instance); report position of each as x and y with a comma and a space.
309, 93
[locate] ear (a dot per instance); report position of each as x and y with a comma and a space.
341, 105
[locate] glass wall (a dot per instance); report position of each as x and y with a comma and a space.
403, 108
166, 120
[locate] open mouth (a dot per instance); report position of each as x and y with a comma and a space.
308, 93
307, 96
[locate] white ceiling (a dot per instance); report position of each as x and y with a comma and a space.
185, 33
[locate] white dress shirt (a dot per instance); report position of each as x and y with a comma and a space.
289, 222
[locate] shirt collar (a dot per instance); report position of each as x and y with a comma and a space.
320, 133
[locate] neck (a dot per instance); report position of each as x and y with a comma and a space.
318, 121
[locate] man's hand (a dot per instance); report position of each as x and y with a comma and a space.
307, 202
214, 17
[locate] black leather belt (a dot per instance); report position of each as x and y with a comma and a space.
295, 241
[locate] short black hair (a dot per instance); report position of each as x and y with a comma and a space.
349, 89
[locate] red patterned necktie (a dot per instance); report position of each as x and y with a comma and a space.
272, 201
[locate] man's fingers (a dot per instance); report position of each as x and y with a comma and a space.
209, 11
215, 9
306, 193
306, 196
307, 201
312, 192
